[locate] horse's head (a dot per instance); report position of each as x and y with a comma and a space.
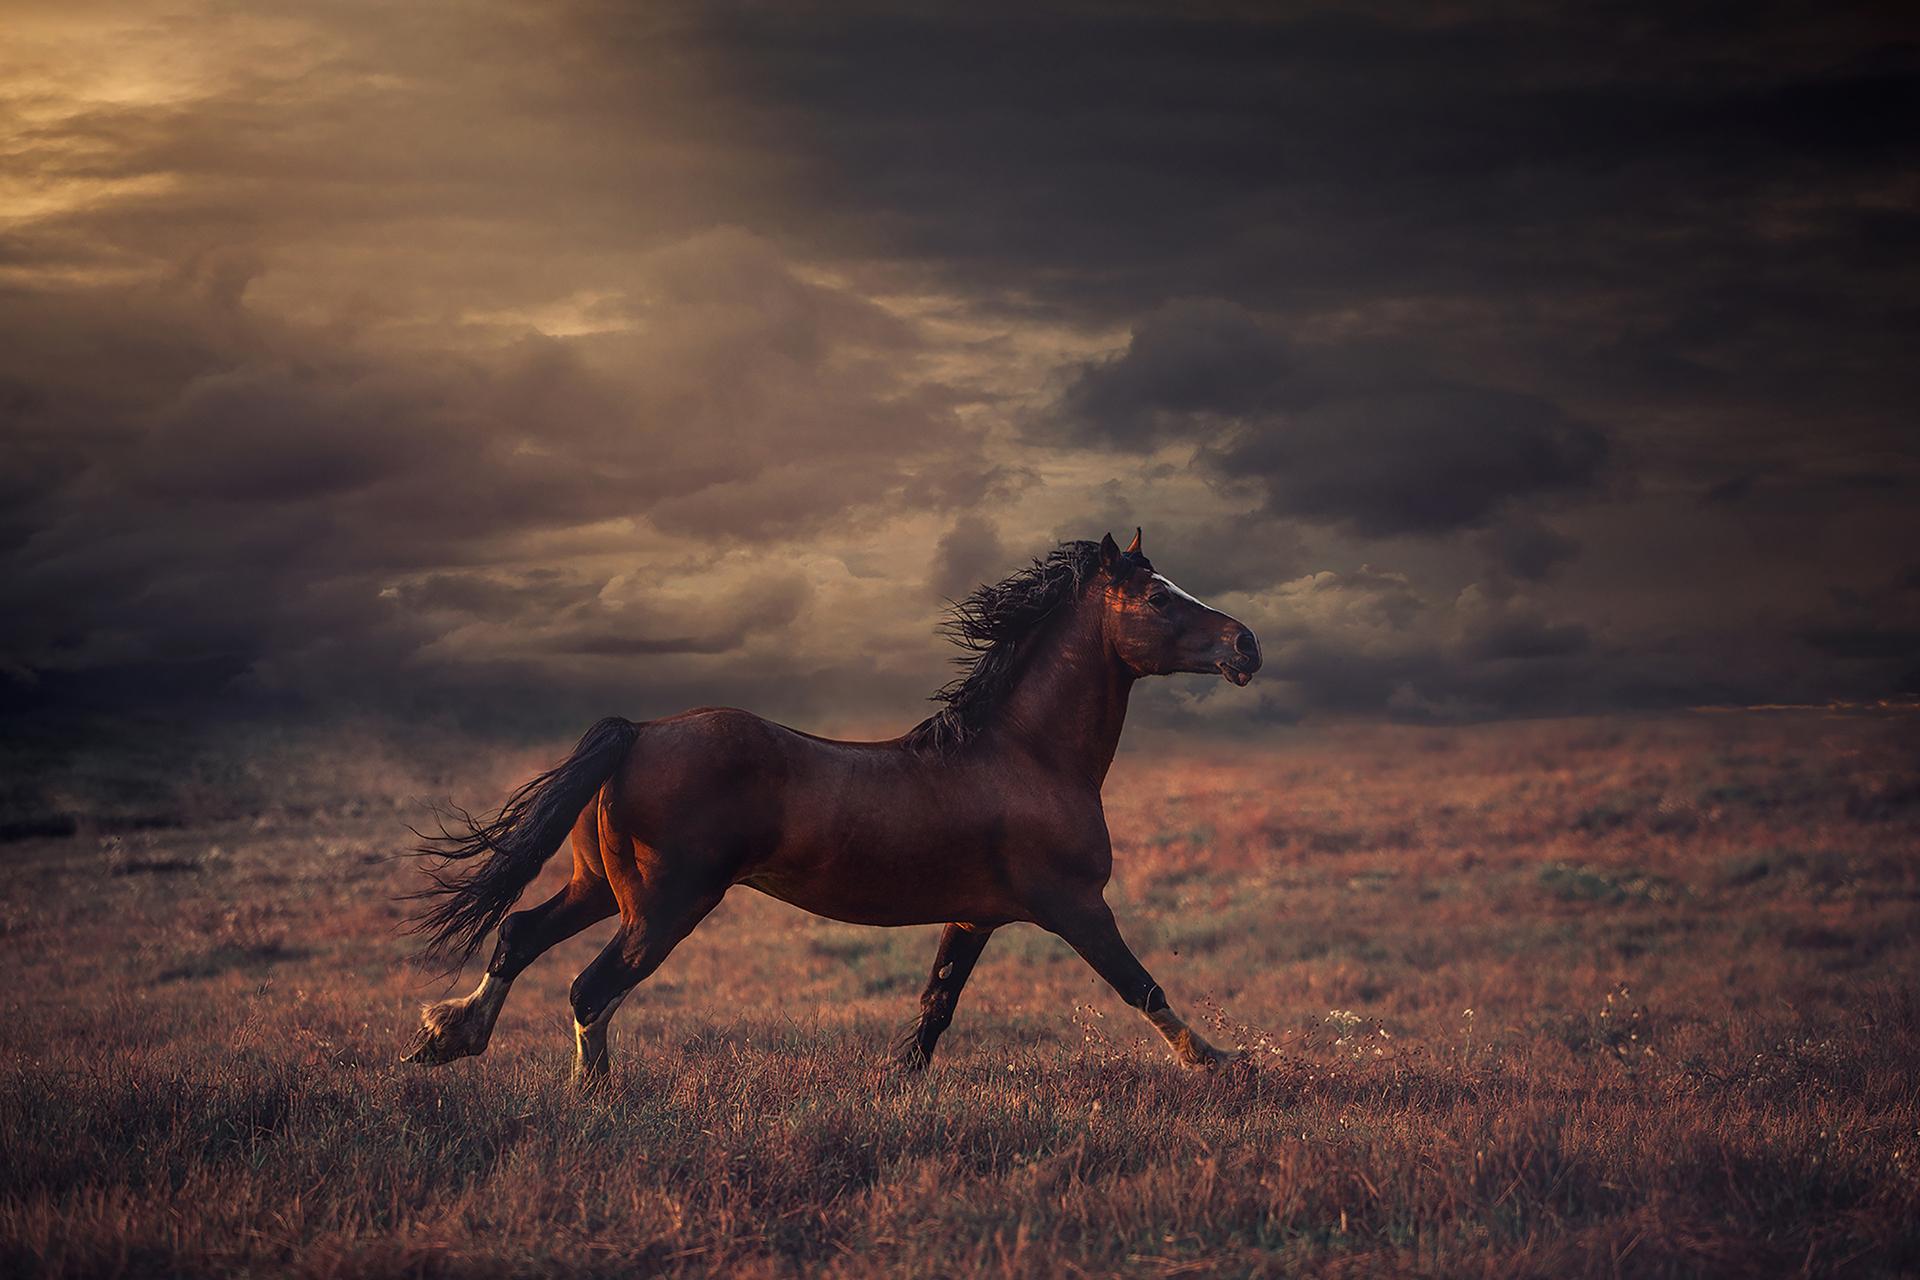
1157, 629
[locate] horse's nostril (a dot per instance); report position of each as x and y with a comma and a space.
1246, 646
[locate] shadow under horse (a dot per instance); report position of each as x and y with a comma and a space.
985, 814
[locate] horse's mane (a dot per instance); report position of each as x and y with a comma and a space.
993, 625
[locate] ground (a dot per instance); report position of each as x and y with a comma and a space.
1579, 997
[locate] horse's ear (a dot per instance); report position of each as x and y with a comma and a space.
1133, 548
1109, 552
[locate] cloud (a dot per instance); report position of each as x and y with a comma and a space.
485, 593
1527, 548
694, 626
1429, 461
298, 501
1528, 638
969, 554
1345, 435
589, 355
1189, 364
1869, 642
1369, 641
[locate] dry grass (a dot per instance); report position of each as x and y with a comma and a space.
1573, 998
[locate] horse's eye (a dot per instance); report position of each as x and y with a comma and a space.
1159, 599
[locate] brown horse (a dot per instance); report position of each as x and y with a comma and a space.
985, 814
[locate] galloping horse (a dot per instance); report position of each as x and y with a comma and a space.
985, 814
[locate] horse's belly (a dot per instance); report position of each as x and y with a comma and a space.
870, 887
887, 840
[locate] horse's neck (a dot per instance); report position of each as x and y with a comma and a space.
1069, 702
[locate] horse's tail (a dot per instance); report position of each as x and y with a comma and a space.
505, 852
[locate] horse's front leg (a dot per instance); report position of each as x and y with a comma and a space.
1089, 929
960, 947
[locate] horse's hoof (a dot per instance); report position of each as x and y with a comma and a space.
1211, 1059
423, 1050
433, 1047
450, 1030
1230, 1062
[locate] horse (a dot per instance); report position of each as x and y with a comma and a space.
985, 814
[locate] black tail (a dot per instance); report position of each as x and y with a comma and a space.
511, 846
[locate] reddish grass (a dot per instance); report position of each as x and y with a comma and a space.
1687, 946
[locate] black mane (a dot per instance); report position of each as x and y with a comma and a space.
993, 625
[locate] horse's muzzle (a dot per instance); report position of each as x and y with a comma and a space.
1245, 660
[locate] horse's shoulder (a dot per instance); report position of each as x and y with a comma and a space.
1067, 819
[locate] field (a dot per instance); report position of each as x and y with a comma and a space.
1567, 998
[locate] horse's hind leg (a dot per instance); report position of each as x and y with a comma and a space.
960, 948
633, 954
460, 1028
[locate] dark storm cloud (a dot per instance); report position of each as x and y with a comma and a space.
708, 624
1430, 461
1628, 213
1528, 637
1866, 642
329, 332
1348, 435
1494, 359
1870, 627
1192, 363
1527, 548
968, 554
481, 594
245, 495
1162, 150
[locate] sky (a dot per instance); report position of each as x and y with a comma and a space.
548, 360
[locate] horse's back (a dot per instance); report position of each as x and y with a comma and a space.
725, 780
